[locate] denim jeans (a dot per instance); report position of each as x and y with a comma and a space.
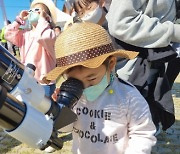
49, 89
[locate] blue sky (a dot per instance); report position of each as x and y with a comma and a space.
14, 7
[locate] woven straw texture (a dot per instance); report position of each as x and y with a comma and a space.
74, 40
82, 37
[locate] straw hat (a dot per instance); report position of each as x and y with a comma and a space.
50, 5
85, 44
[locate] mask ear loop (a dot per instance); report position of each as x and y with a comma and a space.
112, 73
112, 77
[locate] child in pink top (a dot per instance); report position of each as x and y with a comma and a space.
36, 45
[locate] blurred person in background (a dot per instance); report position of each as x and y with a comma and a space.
37, 44
2, 38
57, 30
8, 45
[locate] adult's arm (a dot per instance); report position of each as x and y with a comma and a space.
133, 22
14, 35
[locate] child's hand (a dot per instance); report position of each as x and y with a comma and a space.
55, 94
24, 15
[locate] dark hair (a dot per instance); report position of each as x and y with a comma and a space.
78, 4
106, 62
58, 27
8, 22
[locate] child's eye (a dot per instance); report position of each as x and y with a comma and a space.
36, 9
89, 7
80, 13
92, 79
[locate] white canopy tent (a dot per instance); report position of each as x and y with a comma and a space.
62, 17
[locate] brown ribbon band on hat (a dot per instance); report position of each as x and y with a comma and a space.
84, 55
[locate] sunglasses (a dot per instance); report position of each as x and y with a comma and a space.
34, 10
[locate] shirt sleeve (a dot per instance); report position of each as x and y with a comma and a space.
14, 35
141, 128
136, 25
45, 35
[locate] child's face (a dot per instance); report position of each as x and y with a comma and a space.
91, 76
83, 9
38, 10
40, 7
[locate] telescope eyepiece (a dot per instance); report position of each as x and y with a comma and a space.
70, 91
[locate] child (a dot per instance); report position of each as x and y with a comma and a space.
113, 117
36, 45
88, 11
143, 71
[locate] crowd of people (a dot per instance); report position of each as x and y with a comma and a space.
126, 54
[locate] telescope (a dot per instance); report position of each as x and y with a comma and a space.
25, 112
20, 82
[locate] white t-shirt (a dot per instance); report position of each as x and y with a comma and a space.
118, 122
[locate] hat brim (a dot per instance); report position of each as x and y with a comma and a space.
50, 5
91, 63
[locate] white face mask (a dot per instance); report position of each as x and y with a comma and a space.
93, 16
93, 92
